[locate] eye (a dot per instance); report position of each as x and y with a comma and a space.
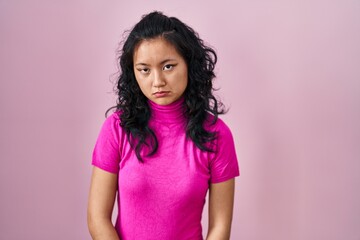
168, 67
144, 70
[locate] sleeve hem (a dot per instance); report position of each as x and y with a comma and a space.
223, 179
105, 168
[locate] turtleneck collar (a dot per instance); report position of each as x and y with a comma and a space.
171, 113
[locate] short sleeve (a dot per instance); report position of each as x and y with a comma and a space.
224, 164
106, 153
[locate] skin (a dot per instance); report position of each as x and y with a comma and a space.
100, 205
221, 202
158, 67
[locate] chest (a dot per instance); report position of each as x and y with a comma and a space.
177, 174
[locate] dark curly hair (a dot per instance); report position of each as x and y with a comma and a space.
199, 100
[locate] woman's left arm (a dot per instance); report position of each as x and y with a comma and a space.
221, 202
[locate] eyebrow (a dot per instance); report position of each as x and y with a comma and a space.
162, 62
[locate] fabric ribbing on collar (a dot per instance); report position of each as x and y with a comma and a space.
171, 113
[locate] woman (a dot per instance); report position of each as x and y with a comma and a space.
164, 146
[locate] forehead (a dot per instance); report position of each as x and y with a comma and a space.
155, 50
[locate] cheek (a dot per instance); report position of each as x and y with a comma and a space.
181, 77
142, 86
140, 83
185, 79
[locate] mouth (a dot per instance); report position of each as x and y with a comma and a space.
161, 93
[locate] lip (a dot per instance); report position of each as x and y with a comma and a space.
161, 94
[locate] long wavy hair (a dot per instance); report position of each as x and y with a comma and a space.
199, 100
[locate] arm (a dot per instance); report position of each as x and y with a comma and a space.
100, 206
221, 201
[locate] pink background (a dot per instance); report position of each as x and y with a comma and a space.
288, 70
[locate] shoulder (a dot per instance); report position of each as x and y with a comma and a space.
223, 161
111, 124
113, 117
106, 153
216, 125
223, 134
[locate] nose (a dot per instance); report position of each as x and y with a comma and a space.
158, 79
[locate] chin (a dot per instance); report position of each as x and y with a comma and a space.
163, 101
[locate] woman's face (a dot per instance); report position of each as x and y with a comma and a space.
160, 71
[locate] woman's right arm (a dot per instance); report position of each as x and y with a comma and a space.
100, 206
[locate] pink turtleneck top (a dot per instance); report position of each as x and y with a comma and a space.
163, 198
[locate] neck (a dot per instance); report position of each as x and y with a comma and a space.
171, 113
